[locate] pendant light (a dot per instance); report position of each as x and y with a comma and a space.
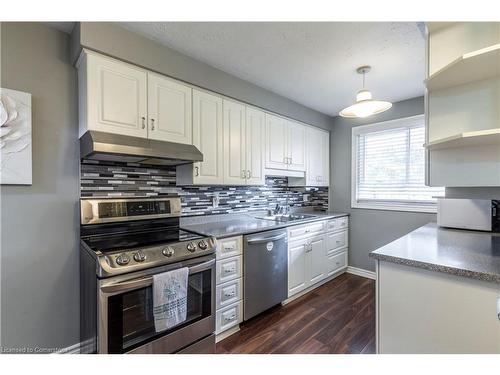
365, 106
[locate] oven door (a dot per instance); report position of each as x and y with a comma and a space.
125, 314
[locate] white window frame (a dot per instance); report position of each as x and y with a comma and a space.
375, 127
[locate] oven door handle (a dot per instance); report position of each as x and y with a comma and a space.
148, 281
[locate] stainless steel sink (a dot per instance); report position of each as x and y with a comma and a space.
286, 218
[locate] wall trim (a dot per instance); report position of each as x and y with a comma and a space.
361, 272
225, 334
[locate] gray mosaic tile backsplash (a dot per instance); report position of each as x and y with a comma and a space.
112, 180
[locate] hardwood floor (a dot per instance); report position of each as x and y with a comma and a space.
338, 317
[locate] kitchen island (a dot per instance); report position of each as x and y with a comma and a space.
438, 292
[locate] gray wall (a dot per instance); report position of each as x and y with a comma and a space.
369, 229
39, 223
39, 239
474, 192
118, 42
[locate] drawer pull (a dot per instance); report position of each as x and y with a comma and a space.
229, 294
228, 319
338, 242
229, 270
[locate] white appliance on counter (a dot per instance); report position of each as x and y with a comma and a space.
473, 214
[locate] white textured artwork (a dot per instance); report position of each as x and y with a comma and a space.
15, 137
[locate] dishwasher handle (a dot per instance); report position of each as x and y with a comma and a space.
266, 239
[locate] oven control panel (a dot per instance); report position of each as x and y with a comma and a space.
119, 262
94, 211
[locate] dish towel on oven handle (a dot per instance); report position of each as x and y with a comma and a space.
170, 298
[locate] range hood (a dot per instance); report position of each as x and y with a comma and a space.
101, 146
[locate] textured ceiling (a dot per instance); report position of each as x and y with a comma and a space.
311, 63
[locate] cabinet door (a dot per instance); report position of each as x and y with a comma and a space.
207, 136
318, 154
115, 96
169, 110
276, 142
296, 146
254, 142
234, 143
296, 267
316, 256
325, 170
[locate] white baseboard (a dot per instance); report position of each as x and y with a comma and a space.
312, 287
362, 272
224, 335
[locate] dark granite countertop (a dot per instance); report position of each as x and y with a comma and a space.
248, 223
459, 252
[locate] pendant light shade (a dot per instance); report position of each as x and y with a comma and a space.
365, 106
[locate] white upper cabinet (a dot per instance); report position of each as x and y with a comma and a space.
113, 96
285, 144
234, 143
116, 97
169, 110
255, 145
318, 156
296, 146
207, 137
243, 129
276, 142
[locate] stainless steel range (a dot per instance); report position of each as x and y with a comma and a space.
125, 242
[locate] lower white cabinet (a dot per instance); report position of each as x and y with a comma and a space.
228, 317
316, 251
427, 312
229, 283
315, 260
228, 269
229, 293
336, 261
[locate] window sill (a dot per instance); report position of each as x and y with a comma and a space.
388, 207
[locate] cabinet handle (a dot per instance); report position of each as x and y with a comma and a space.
285, 160
291, 160
152, 124
249, 174
143, 122
229, 270
197, 171
243, 174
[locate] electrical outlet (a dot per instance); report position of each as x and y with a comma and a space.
215, 200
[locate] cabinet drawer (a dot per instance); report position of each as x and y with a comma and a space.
228, 293
336, 240
336, 262
306, 230
228, 269
228, 317
229, 247
339, 223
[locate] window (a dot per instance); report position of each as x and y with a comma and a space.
388, 167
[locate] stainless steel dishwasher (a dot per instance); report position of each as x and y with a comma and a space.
265, 263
